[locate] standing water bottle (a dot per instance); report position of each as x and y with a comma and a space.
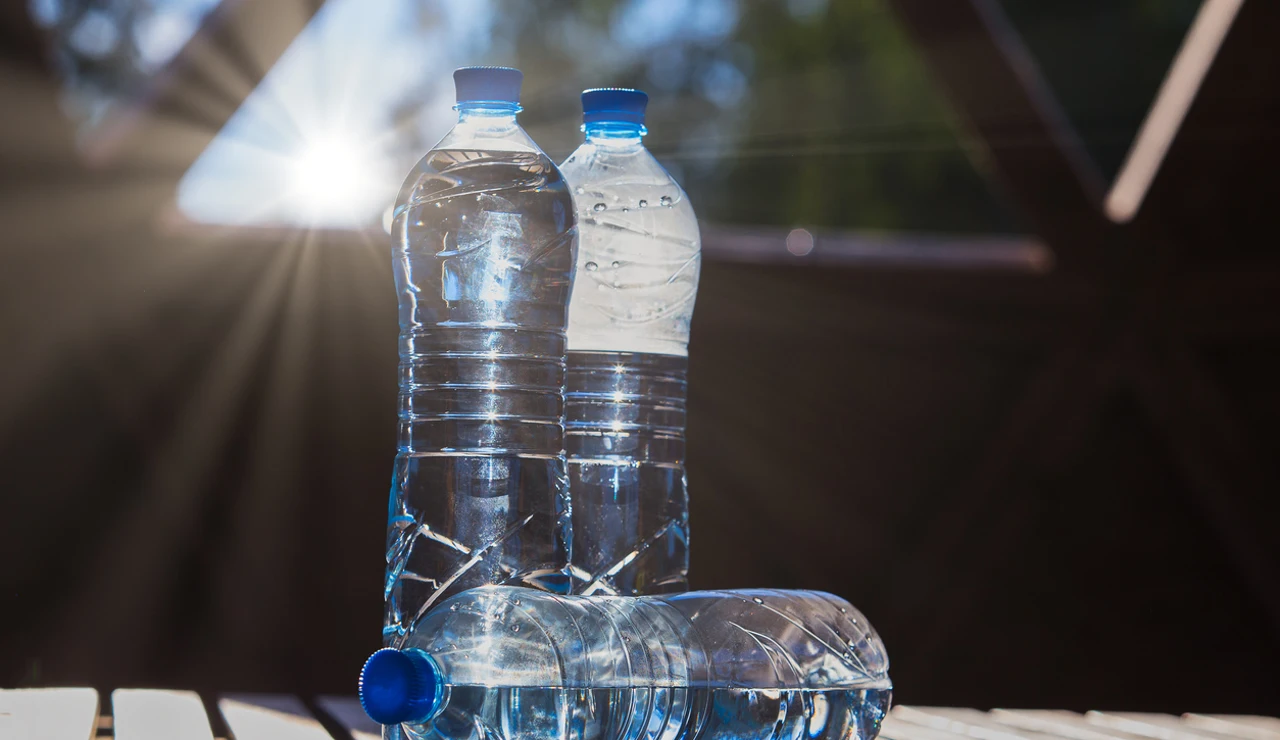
484, 235
637, 276
504, 663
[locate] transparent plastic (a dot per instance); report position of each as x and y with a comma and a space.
637, 278
508, 663
484, 236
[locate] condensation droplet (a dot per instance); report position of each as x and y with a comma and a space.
592, 267
599, 207
642, 204
665, 200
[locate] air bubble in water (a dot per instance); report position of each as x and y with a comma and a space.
758, 600
665, 200
616, 264
591, 266
642, 204
579, 190
599, 207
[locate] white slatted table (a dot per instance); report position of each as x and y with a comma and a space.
144, 714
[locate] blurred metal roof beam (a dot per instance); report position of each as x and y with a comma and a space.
1174, 99
876, 249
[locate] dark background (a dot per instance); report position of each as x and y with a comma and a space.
1046, 487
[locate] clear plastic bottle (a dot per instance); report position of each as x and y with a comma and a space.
501, 663
484, 236
637, 277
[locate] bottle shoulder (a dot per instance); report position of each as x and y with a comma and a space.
628, 184
488, 136
601, 164
478, 164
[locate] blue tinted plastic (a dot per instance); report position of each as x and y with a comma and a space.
613, 105
399, 686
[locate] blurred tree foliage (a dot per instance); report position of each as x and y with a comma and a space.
107, 50
806, 112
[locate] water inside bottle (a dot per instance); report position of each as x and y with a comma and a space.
496, 713
624, 435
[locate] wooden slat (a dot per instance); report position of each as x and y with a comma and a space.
270, 717
1241, 726
1155, 726
48, 714
348, 713
143, 714
897, 729
970, 723
1058, 723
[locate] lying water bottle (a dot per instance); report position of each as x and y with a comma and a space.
637, 276
501, 663
484, 236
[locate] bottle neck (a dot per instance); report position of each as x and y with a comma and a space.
615, 134
488, 115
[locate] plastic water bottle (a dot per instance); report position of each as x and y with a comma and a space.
501, 663
637, 276
484, 235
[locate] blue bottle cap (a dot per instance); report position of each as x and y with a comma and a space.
613, 105
399, 686
488, 84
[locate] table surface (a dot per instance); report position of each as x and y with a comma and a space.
147, 714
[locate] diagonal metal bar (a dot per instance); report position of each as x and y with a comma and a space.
1213, 194
995, 86
1174, 99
